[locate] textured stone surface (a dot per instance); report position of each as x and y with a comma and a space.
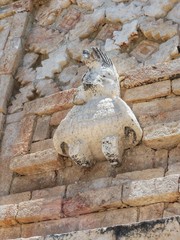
92, 201
174, 155
15, 198
173, 169
154, 211
15, 117
42, 129
174, 14
54, 103
172, 209
41, 145
6, 85
33, 182
2, 120
176, 86
10, 232
24, 138
155, 190
42, 161
162, 136
8, 214
58, 191
150, 74
150, 91
39, 210
58, 117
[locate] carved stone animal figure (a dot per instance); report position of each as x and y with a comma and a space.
100, 125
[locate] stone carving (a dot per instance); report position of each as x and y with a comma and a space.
100, 125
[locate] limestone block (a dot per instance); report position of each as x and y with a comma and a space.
47, 14
144, 50
5, 29
11, 232
88, 24
107, 30
68, 75
158, 30
33, 182
8, 214
176, 86
43, 41
124, 13
15, 198
154, 211
50, 104
58, 191
147, 92
25, 75
173, 169
159, 8
174, 155
105, 103
34, 163
4, 2
42, 129
41, 145
172, 209
92, 201
162, 136
24, 137
21, 20
150, 74
174, 14
110, 45
90, 5
54, 64
6, 85
46, 87
166, 52
39, 210
127, 34
68, 21
138, 193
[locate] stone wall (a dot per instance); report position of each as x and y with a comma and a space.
41, 45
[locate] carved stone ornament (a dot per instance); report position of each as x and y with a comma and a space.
101, 125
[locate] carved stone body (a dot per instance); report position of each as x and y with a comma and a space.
101, 125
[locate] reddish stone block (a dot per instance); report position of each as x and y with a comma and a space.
24, 138
10, 232
58, 191
23, 5
15, 198
107, 31
39, 210
150, 212
150, 74
58, 117
92, 201
8, 214
54, 103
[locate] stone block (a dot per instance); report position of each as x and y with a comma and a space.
8, 215
34, 163
33, 182
25, 134
154, 211
173, 169
2, 120
149, 74
144, 50
137, 158
172, 209
46, 87
74, 189
176, 86
42, 130
20, 19
161, 158
174, 14
39, 210
58, 117
148, 92
15, 198
107, 30
89, 5
156, 107
6, 85
15, 117
93, 201
58, 191
48, 105
10, 232
174, 155
162, 136
42, 145
139, 193
140, 175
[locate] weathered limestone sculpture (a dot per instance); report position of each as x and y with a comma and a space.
100, 125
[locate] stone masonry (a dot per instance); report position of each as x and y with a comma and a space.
46, 196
